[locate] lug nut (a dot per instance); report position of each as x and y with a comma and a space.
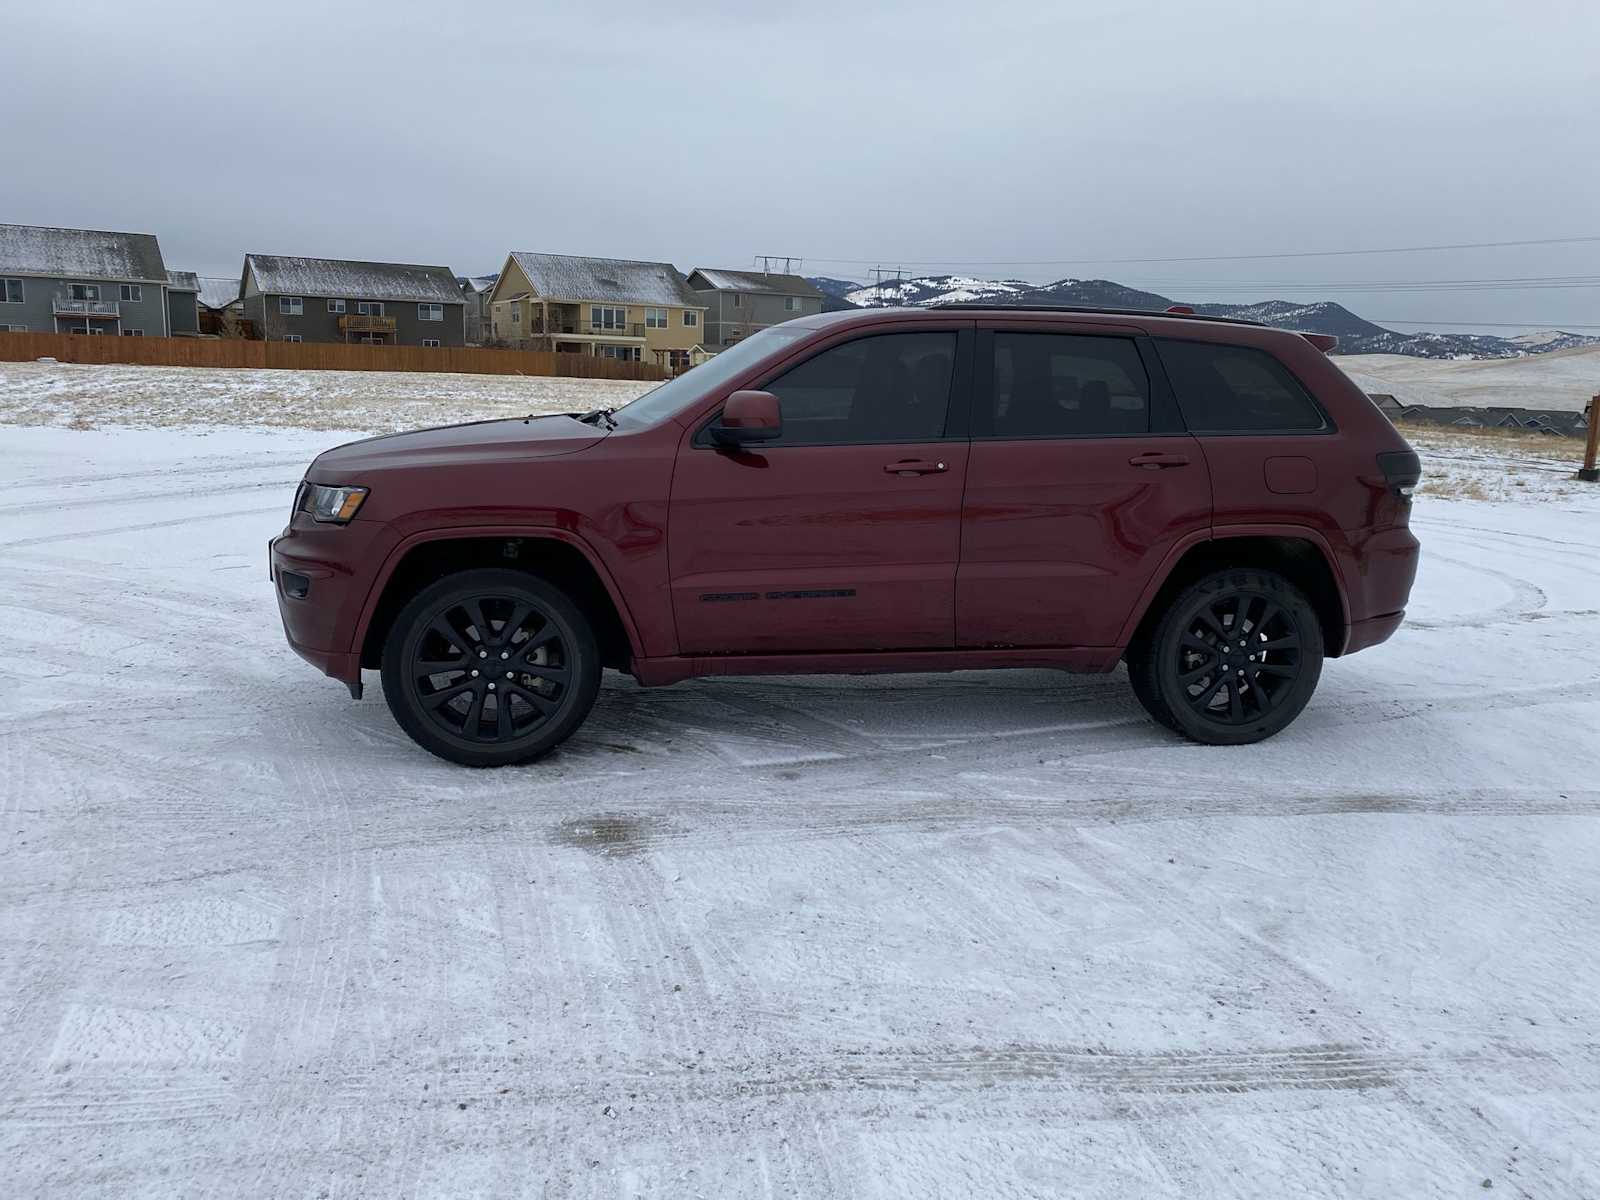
483, 654
474, 674
511, 675
505, 654
491, 687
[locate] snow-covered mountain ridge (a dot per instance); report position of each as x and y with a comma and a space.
1356, 334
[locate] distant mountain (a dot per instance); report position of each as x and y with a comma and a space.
1356, 335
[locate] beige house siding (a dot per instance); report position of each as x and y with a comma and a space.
574, 312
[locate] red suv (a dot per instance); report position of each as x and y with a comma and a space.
1212, 502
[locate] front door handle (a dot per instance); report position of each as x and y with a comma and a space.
1155, 460
915, 466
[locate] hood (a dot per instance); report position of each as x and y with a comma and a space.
513, 439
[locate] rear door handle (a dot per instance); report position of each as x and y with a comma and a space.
1155, 460
915, 466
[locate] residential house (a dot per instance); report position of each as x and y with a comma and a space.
85, 281
739, 303
221, 309
336, 300
605, 307
477, 289
183, 303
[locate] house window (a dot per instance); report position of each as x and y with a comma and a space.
738, 300
290, 306
133, 333
690, 318
791, 304
336, 306
602, 316
430, 341
655, 318
430, 312
621, 353
16, 329
291, 337
95, 331
516, 312
10, 291
85, 291
132, 292
369, 308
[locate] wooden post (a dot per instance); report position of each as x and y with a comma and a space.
1590, 473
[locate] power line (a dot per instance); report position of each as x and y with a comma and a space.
1541, 326
1085, 262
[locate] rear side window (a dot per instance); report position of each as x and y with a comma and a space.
891, 388
1064, 385
1236, 389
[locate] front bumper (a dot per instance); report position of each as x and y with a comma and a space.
320, 592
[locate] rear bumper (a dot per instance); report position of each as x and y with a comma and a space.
1372, 631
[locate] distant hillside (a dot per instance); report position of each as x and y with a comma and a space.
1356, 335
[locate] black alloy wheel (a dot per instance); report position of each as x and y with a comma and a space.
490, 667
1234, 658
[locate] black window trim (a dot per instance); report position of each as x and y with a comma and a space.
1165, 418
957, 417
1329, 428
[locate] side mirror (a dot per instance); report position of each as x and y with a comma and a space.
748, 417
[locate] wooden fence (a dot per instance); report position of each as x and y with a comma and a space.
312, 356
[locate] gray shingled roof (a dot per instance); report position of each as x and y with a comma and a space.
218, 291
572, 277
755, 281
80, 253
183, 281
277, 275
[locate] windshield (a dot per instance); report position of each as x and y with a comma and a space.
678, 394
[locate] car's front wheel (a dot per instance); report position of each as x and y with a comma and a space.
490, 667
1233, 658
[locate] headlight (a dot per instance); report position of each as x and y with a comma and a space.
331, 505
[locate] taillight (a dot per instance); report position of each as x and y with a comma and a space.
1402, 471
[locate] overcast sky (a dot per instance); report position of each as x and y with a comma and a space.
992, 138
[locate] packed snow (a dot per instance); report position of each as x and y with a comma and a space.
987, 934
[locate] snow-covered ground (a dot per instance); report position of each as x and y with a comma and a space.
991, 934
1563, 379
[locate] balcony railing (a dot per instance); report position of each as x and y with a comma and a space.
66, 306
636, 329
356, 323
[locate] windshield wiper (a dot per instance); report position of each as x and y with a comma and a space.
598, 416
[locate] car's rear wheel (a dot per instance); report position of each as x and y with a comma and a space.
1233, 658
490, 667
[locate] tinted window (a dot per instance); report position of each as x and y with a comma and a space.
890, 388
1062, 385
1233, 389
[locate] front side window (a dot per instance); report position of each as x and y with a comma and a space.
336, 306
10, 291
85, 291
890, 388
655, 318
291, 306
690, 318
132, 292
606, 317
1065, 385
1237, 389
430, 312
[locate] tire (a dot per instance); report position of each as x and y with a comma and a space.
1193, 675
469, 626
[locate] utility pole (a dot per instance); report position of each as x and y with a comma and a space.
1590, 473
768, 259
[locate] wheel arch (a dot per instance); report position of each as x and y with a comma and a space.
551, 554
1303, 556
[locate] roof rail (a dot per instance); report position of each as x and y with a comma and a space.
978, 306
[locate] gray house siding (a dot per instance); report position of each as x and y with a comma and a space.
316, 324
183, 313
726, 323
37, 313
